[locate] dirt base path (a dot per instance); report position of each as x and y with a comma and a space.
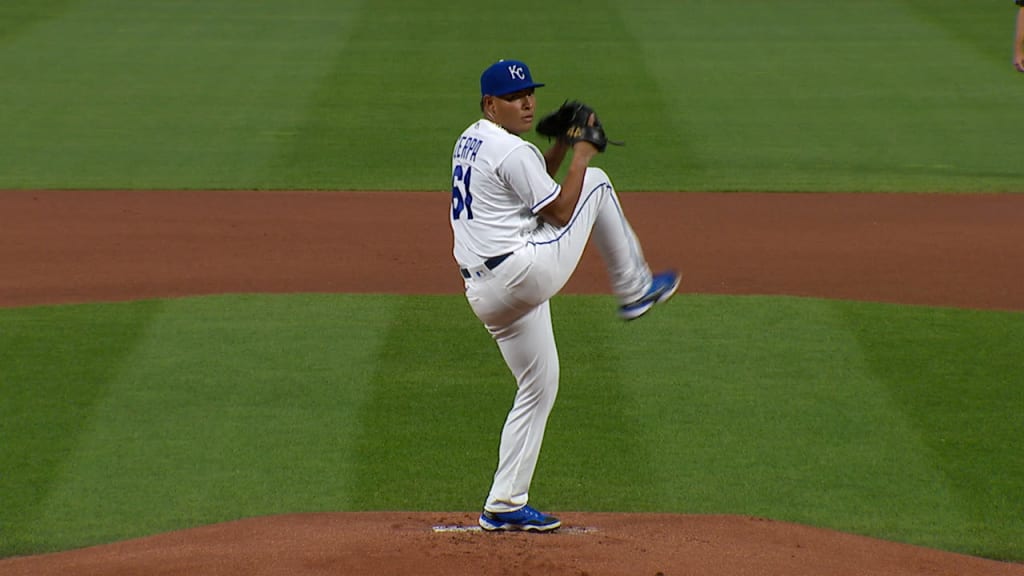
943, 250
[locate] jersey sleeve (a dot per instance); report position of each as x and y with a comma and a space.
526, 174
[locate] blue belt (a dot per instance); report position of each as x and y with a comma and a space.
490, 263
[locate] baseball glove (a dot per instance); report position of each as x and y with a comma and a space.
569, 124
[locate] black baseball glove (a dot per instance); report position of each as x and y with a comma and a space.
569, 124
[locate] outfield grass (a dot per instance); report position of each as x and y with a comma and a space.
320, 94
122, 420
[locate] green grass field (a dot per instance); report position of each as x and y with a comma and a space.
327, 94
121, 420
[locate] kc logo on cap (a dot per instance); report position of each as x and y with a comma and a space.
505, 77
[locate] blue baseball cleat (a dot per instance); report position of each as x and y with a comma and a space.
525, 519
663, 286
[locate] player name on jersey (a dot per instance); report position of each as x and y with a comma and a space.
467, 148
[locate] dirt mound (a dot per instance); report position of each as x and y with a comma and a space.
448, 544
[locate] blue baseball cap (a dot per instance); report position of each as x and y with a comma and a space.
505, 77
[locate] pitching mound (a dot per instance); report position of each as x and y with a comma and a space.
450, 545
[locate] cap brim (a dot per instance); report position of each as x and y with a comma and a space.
518, 88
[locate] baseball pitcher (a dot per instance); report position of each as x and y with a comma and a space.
518, 237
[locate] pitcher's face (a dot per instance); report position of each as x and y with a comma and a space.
513, 112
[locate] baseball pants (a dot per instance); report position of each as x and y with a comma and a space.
513, 303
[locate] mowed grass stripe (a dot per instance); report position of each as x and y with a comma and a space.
809, 96
385, 72
956, 377
229, 407
436, 399
57, 367
405, 86
365, 125
767, 406
17, 18
597, 457
146, 94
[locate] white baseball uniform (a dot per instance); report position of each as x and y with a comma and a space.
513, 262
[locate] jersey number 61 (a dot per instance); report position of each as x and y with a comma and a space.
461, 198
